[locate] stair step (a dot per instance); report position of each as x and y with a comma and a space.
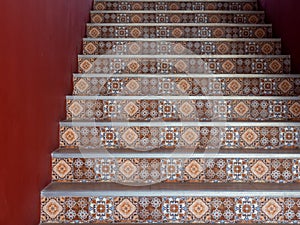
178, 30
221, 46
131, 167
173, 64
169, 203
177, 16
186, 84
176, 5
183, 108
146, 136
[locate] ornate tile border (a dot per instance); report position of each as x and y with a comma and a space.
183, 110
145, 137
171, 209
139, 171
155, 5
174, 86
178, 31
142, 47
163, 17
185, 65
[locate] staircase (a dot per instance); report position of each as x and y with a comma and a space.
182, 112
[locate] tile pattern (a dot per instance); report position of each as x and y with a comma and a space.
133, 17
200, 170
178, 31
123, 47
183, 110
169, 5
194, 65
172, 86
174, 209
147, 138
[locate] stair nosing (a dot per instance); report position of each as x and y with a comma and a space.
186, 97
181, 24
179, 124
166, 154
185, 56
184, 39
242, 1
167, 189
179, 11
265, 75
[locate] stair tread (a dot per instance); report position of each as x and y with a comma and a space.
164, 153
169, 189
182, 24
181, 39
177, 11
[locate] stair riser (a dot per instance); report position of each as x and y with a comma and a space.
115, 5
164, 109
132, 17
144, 137
173, 86
137, 171
184, 65
171, 209
177, 31
182, 47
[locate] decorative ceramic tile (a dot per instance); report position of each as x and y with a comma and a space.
150, 17
139, 138
115, 5
186, 31
133, 86
151, 171
207, 65
166, 209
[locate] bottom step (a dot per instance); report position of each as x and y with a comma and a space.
171, 203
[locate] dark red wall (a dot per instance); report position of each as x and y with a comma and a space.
39, 42
285, 17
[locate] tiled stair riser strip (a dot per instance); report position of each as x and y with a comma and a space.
221, 47
144, 137
111, 85
165, 109
178, 65
178, 31
115, 5
170, 209
163, 17
155, 170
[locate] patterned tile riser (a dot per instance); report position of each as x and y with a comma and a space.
245, 6
208, 65
171, 209
192, 31
183, 110
170, 86
181, 47
251, 18
155, 170
145, 138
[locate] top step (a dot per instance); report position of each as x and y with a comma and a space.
236, 5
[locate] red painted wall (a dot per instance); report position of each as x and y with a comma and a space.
285, 17
39, 42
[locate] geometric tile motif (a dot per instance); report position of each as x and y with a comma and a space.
180, 5
126, 209
150, 209
174, 209
281, 170
76, 209
197, 210
171, 169
259, 170
247, 209
291, 210
105, 169
271, 208
222, 210
237, 170
52, 209
62, 169
83, 169
101, 209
